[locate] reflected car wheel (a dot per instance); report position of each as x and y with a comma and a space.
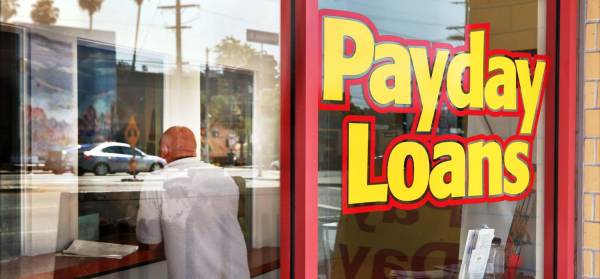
101, 169
155, 167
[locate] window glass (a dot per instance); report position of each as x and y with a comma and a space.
191, 86
423, 239
138, 153
113, 150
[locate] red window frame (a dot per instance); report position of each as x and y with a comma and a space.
299, 138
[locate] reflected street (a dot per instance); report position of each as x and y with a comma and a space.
70, 183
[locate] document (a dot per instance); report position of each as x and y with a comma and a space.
85, 248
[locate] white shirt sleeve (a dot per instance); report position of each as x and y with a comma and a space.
148, 228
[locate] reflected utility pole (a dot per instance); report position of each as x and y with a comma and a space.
206, 113
178, 28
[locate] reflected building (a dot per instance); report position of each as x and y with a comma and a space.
227, 104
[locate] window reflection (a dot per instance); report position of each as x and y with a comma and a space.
90, 86
10, 152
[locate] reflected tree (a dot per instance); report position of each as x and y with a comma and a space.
91, 6
44, 12
233, 53
8, 9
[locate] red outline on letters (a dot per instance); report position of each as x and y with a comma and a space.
427, 139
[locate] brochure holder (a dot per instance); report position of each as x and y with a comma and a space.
476, 253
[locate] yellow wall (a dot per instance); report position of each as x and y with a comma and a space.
513, 22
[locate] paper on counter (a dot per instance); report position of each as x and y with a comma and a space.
87, 248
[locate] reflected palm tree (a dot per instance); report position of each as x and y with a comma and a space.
91, 6
44, 12
8, 9
137, 30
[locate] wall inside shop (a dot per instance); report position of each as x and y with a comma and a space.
513, 23
517, 25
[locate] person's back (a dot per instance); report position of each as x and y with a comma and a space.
197, 213
195, 216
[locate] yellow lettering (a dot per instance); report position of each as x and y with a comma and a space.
453, 154
479, 152
530, 92
336, 65
396, 170
398, 70
506, 80
473, 60
517, 167
429, 83
359, 189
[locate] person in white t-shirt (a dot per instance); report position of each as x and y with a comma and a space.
195, 217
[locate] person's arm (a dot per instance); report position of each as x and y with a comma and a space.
148, 228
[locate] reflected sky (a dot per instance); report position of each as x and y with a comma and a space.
216, 19
211, 22
424, 19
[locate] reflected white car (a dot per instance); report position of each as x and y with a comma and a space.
113, 157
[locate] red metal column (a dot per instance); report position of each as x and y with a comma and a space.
566, 140
550, 143
285, 209
306, 90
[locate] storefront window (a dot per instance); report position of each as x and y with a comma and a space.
147, 123
423, 239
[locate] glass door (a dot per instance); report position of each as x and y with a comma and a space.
417, 130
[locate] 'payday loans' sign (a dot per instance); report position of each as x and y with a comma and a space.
418, 77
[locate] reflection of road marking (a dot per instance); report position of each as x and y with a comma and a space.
337, 208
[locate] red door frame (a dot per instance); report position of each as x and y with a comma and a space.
285, 193
299, 137
561, 159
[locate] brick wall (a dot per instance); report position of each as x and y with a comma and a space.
591, 146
